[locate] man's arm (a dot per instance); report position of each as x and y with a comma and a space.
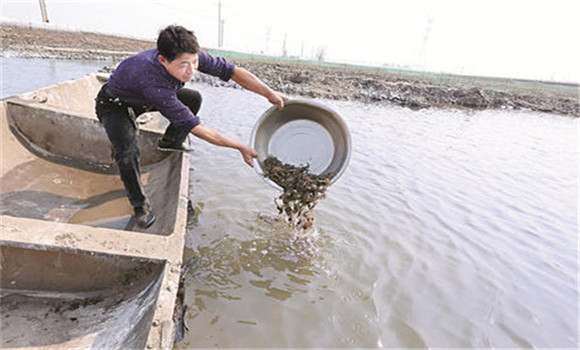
219, 139
249, 81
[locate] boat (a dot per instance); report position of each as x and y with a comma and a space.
75, 269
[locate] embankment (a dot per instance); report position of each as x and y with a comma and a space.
319, 79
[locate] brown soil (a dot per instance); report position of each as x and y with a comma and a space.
316, 80
31, 42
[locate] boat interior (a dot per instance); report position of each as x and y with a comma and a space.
76, 270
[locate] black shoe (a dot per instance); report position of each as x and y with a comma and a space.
144, 216
166, 146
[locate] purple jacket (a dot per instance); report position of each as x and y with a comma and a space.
141, 80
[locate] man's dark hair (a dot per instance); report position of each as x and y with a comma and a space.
175, 40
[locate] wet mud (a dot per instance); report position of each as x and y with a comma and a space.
410, 89
301, 191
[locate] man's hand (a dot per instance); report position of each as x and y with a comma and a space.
277, 98
217, 138
248, 153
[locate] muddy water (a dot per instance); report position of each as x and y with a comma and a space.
449, 229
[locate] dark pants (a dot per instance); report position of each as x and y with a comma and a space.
121, 130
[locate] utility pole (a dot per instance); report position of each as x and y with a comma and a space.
220, 24
43, 12
267, 47
223, 22
425, 43
284, 51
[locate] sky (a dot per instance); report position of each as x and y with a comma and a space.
507, 38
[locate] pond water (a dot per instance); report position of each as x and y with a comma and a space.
25, 74
449, 229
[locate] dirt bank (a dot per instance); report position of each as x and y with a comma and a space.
313, 80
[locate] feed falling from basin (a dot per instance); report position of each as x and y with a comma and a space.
301, 191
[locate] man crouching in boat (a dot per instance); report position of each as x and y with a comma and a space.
154, 80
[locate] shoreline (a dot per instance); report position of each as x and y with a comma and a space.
415, 90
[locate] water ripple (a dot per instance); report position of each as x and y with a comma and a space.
448, 229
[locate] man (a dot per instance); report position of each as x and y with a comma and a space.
154, 80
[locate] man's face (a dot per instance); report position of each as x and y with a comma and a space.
182, 67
